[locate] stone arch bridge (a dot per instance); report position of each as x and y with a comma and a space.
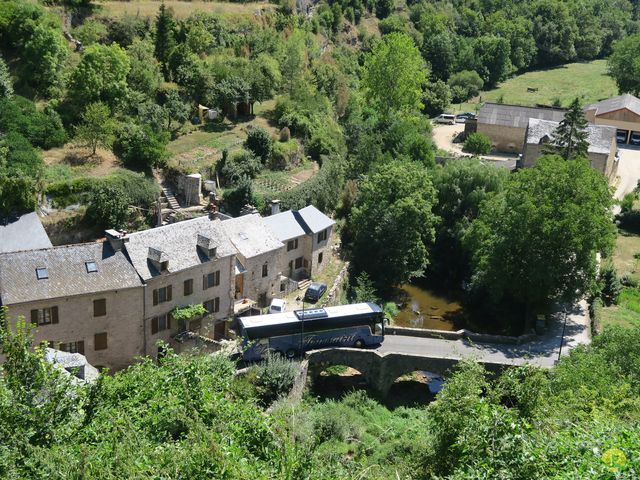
381, 370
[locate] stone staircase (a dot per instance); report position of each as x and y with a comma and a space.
304, 284
167, 193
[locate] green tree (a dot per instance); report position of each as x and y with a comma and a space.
108, 206
139, 147
461, 187
97, 127
45, 55
477, 143
145, 75
101, 76
90, 32
437, 97
491, 55
554, 31
536, 242
469, 83
570, 139
624, 65
392, 222
6, 86
259, 142
165, 37
394, 75
364, 290
175, 109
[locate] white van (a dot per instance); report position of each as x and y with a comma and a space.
447, 118
277, 305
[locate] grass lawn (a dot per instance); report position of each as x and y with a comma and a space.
181, 9
624, 257
626, 313
588, 80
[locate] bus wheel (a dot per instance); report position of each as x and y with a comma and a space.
359, 344
291, 353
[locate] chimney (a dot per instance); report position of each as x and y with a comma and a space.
116, 239
275, 207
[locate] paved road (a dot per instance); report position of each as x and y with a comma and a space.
628, 170
543, 352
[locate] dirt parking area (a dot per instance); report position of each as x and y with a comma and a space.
628, 170
443, 136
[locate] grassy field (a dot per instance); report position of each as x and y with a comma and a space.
626, 313
181, 9
587, 80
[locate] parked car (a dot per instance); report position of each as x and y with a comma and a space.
463, 117
315, 291
635, 138
621, 137
447, 118
277, 305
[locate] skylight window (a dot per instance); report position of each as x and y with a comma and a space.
42, 273
91, 267
244, 236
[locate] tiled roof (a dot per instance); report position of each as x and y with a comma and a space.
250, 235
600, 137
516, 115
22, 233
616, 103
284, 225
315, 220
176, 243
66, 270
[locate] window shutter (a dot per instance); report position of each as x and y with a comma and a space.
217, 278
155, 297
168, 293
54, 314
169, 317
204, 282
100, 341
81, 347
154, 325
34, 317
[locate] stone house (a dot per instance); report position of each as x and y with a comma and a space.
257, 260
601, 151
81, 298
181, 264
506, 125
621, 112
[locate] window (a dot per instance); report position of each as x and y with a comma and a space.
283, 286
91, 267
298, 262
160, 323
42, 273
320, 255
212, 306
100, 341
322, 236
100, 307
73, 347
292, 245
44, 316
211, 280
265, 270
161, 295
188, 287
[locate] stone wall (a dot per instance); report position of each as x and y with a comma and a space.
504, 139
459, 335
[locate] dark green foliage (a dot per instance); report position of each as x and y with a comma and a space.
392, 222
21, 157
626, 204
570, 139
477, 143
240, 165
623, 66
17, 193
322, 190
42, 128
165, 37
364, 290
259, 142
6, 85
469, 85
437, 97
274, 378
240, 195
139, 147
549, 221
108, 206
609, 284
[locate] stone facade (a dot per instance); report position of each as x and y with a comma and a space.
503, 139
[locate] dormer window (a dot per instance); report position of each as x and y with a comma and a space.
42, 273
207, 246
158, 259
91, 267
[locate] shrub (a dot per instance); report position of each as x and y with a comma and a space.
610, 286
626, 205
465, 84
43, 129
239, 196
630, 221
275, 378
285, 134
259, 142
140, 148
241, 164
108, 206
477, 143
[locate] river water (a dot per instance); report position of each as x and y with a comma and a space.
424, 308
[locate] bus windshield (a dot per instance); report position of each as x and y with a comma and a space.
293, 333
